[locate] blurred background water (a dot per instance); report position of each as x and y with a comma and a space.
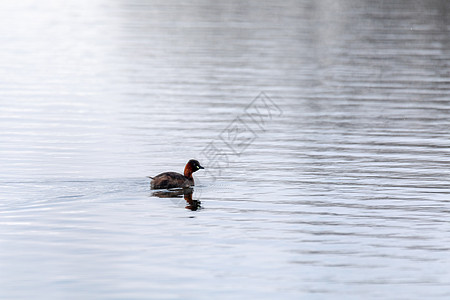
343, 196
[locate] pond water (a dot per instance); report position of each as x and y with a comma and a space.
323, 127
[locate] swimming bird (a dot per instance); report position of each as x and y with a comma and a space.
169, 180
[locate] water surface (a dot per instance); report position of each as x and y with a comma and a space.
342, 194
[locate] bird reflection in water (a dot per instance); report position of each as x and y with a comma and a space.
180, 193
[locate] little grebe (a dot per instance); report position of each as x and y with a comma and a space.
169, 180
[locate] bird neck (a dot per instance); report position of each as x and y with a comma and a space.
188, 171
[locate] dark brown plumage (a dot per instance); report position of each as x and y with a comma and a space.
169, 180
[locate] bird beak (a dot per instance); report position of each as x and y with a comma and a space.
200, 167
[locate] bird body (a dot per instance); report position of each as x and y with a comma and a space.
169, 180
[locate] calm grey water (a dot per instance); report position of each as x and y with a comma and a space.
341, 194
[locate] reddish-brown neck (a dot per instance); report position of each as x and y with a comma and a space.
188, 171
